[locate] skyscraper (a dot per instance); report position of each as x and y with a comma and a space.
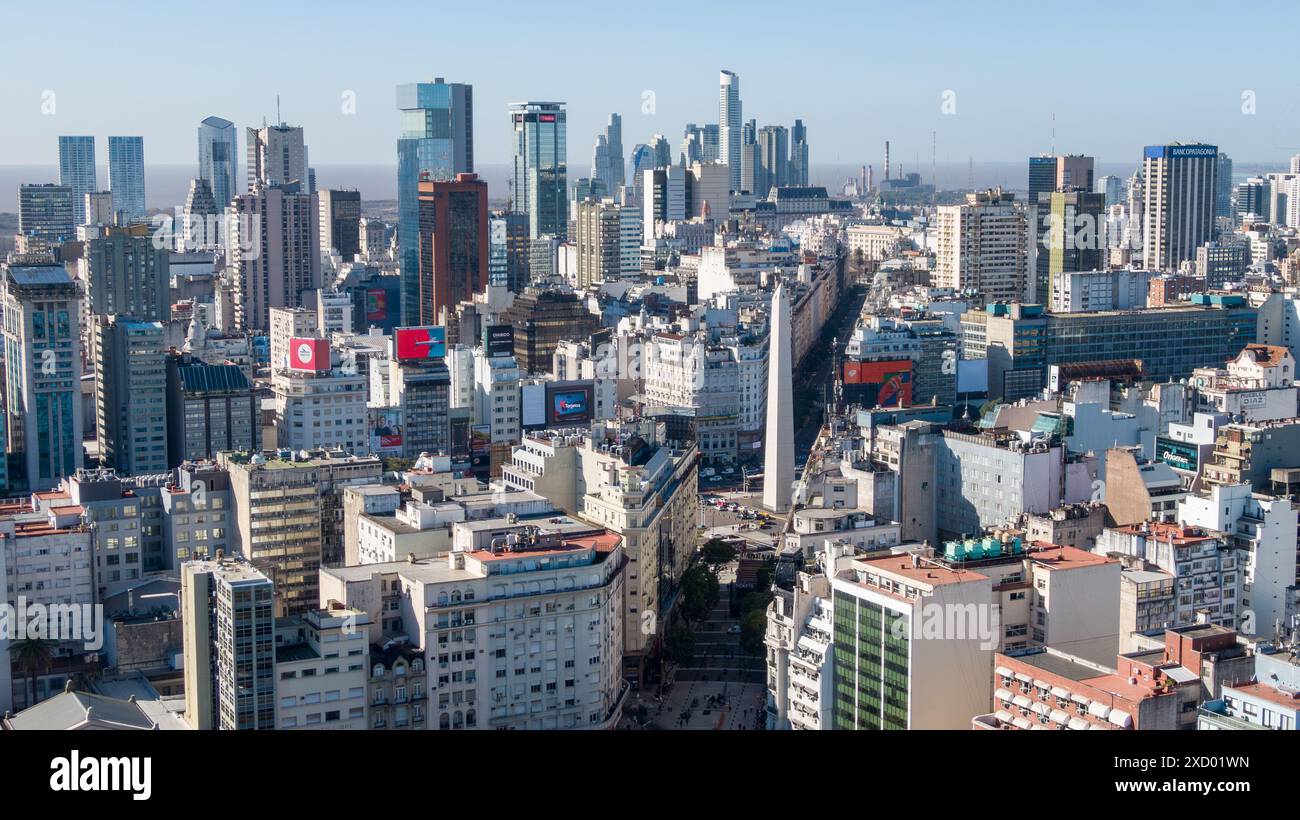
276, 257
277, 155
219, 159
340, 222
127, 275
1042, 176
77, 171
1178, 199
1070, 230
1223, 190
773, 159
729, 124
540, 178
42, 368
778, 457
1113, 188
126, 176
798, 155
131, 395
607, 158
453, 244
436, 138
983, 247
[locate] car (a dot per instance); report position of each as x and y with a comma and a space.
734, 629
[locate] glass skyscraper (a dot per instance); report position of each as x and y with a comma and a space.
126, 176
77, 171
219, 158
729, 135
541, 170
437, 138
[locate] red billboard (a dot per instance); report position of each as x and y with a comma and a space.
309, 354
420, 342
879, 384
376, 305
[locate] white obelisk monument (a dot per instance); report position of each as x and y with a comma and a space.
778, 455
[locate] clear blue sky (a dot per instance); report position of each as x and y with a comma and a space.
1118, 75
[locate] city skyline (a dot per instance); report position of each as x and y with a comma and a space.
903, 98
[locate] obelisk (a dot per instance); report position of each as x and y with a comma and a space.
778, 455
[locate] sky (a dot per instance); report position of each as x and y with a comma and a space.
985, 79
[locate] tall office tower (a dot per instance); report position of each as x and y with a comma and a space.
1113, 188
798, 155
710, 185
210, 408
1252, 199
729, 124
126, 275
437, 138
508, 250
774, 158
277, 155
607, 160
453, 244
126, 176
340, 222
228, 642
1074, 171
1181, 182
983, 247
642, 160
46, 212
131, 395
42, 370
778, 456
1042, 176
77, 171
1069, 233
1223, 187
751, 164
664, 197
598, 240
700, 143
200, 225
540, 181
275, 253
219, 159
662, 150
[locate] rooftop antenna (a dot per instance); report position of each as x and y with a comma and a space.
278, 118
1053, 133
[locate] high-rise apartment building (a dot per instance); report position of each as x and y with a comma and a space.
277, 155
539, 185
219, 159
126, 176
437, 138
228, 641
126, 275
131, 395
983, 247
276, 259
77, 171
1178, 200
452, 244
729, 124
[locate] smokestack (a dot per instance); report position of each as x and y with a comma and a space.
886, 160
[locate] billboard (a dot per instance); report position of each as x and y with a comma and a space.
309, 354
376, 306
480, 447
420, 343
1177, 454
499, 340
569, 403
879, 384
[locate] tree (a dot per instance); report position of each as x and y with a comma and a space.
700, 590
34, 656
752, 628
679, 645
717, 551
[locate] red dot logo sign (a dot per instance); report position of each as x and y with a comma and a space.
305, 354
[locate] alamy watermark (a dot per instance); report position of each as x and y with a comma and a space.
53, 622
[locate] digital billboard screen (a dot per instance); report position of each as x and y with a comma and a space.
569, 403
420, 342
